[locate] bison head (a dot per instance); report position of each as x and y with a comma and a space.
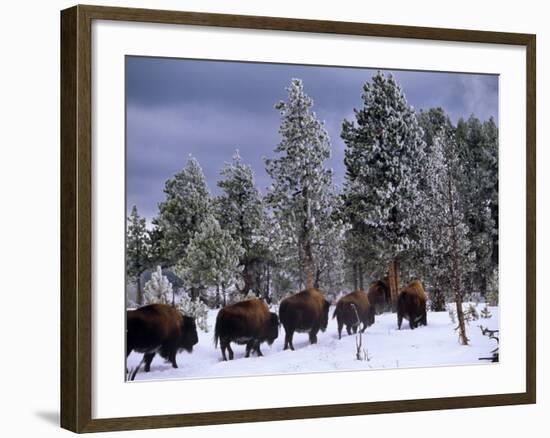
273, 329
324, 315
188, 336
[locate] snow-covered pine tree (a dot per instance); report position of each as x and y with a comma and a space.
240, 211
329, 252
158, 252
384, 161
211, 260
486, 313
437, 301
492, 290
137, 251
158, 289
478, 152
363, 252
280, 264
194, 308
186, 205
449, 244
301, 188
434, 122
471, 313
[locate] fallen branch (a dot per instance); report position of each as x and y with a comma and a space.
491, 334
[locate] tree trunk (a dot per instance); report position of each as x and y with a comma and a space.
360, 268
317, 281
308, 264
139, 292
484, 283
268, 284
393, 277
455, 274
355, 282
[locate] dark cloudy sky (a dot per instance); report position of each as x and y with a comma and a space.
177, 107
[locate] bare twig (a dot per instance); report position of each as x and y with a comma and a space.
492, 334
360, 354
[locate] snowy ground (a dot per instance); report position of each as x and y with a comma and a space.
434, 345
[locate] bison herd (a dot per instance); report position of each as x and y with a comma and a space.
160, 328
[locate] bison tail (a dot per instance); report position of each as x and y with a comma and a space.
283, 310
216, 340
337, 309
216, 332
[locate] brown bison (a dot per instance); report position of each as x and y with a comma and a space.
352, 310
379, 296
306, 311
411, 305
159, 328
248, 322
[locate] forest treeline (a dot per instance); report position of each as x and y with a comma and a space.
419, 200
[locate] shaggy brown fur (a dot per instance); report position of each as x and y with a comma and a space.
306, 311
379, 296
159, 328
248, 322
352, 310
411, 305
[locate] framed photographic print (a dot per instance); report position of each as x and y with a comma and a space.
294, 205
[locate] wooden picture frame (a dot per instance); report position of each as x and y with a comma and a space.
76, 217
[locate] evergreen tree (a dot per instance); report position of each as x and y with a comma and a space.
437, 301
137, 250
299, 195
384, 161
212, 259
278, 273
486, 313
477, 144
186, 205
158, 289
157, 246
363, 255
434, 122
240, 211
194, 308
329, 252
449, 244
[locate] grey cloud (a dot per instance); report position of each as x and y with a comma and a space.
210, 108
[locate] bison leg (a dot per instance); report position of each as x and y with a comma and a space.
249, 346
147, 359
313, 335
172, 358
348, 329
288, 339
222, 348
399, 321
230, 350
412, 322
340, 325
128, 351
355, 327
258, 351
425, 318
